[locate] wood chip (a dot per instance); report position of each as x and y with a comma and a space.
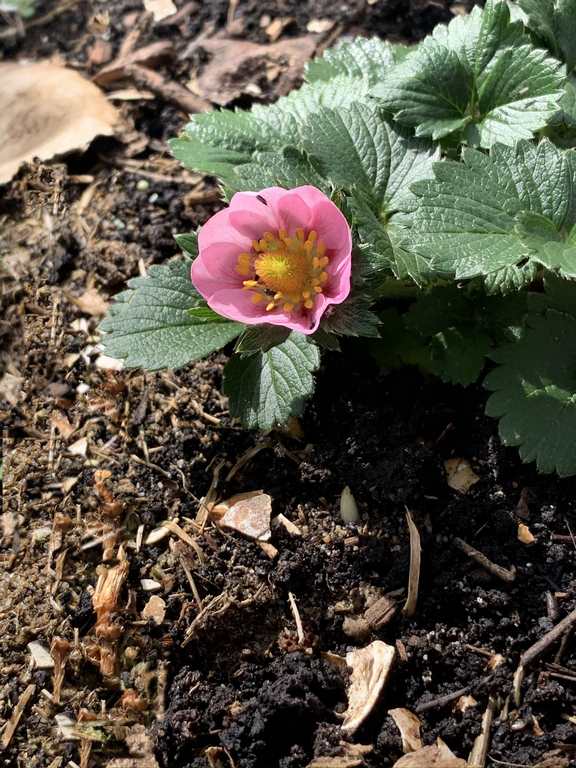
47, 110
155, 609
525, 535
17, 713
369, 671
414, 576
459, 475
91, 302
319, 26
160, 9
150, 55
437, 756
40, 655
248, 513
409, 726
352, 757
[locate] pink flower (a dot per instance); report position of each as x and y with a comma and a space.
279, 256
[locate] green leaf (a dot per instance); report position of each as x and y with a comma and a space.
357, 147
534, 393
354, 317
562, 127
480, 216
554, 22
458, 328
152, 325
266, 388
479, 77
261, 338
510, 279
362, 58
289, 168
189, 243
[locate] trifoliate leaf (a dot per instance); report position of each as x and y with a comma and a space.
152, 325
479, 216
266, 388
534, 393
357, 147
554, 22
353, 317
215, 142
479, 77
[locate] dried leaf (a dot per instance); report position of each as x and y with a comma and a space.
62, 424
236, 65
248, 513
437, 756
47, 110
370, 668
460, 475
409, 726
525, 535
464, 703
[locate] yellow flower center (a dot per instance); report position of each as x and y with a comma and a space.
283, 271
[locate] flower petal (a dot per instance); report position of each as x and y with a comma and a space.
218, 229
332, 226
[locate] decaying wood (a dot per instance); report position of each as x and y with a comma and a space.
479, 557
479, 753
415, 557
538, 648
12, 725
168, 90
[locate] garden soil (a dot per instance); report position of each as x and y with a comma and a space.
186, 645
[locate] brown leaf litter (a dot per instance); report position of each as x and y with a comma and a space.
46, 111
237, 65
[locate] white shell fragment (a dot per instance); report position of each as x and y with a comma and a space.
40, 655
370, 668
248, 513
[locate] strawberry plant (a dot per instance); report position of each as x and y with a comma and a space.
419, 201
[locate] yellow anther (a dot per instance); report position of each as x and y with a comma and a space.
278, 296
309, 303
323, 277
317, 289
288, 307
312, 236
321, 248
270, 307
250, 283
268, 236
300, 233
306, 294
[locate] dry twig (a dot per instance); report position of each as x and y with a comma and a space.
415, 558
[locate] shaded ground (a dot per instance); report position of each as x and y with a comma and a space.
95, 460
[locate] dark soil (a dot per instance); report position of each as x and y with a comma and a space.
230, 685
